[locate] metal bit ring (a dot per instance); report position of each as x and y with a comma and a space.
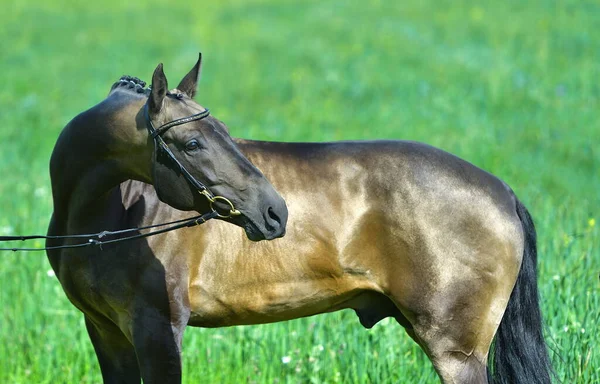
213, 199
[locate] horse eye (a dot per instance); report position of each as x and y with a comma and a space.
192, 145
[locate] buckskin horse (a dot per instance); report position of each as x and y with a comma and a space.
387, 228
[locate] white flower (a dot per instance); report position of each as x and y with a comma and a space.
40, 192
50, 273
286, 359
582, 330
6, 230
566, 328
556, 277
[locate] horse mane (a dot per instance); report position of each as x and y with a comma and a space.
131, 84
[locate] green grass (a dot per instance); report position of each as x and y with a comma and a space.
513, 87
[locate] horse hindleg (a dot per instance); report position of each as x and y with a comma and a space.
457, 367
455, 326
116, 355
453, 366
457, 341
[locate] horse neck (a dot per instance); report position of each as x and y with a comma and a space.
96, 151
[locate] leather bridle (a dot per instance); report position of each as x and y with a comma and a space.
160, 145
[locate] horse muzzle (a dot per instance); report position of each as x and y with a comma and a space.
268, 223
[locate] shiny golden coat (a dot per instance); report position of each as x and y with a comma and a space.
387, 228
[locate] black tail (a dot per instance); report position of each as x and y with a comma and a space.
519, 354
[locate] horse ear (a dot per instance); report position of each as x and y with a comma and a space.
189, 84
159, 90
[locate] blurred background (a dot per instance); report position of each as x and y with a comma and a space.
513, 87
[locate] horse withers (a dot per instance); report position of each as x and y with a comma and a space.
387, 228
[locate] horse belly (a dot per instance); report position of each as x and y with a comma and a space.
267, 303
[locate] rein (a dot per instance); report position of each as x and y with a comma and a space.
97, 239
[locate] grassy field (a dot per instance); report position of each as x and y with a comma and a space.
513, 87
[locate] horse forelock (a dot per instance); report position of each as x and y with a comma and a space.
131, 84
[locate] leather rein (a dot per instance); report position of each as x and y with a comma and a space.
98, 239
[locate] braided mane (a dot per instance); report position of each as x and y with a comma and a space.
132, 84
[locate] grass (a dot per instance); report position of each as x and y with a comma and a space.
512, 87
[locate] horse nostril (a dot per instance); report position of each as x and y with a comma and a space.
273, 215
273, 221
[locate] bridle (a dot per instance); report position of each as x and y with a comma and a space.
159, 145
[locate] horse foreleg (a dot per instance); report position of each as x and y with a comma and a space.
157, 344
116, 355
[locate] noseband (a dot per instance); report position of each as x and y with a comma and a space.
159, 144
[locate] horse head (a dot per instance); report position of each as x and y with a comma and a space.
197, 166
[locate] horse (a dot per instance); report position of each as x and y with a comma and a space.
393, 229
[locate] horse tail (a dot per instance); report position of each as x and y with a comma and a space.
519, 353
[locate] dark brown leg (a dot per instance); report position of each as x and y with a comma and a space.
158, 346
116, 355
